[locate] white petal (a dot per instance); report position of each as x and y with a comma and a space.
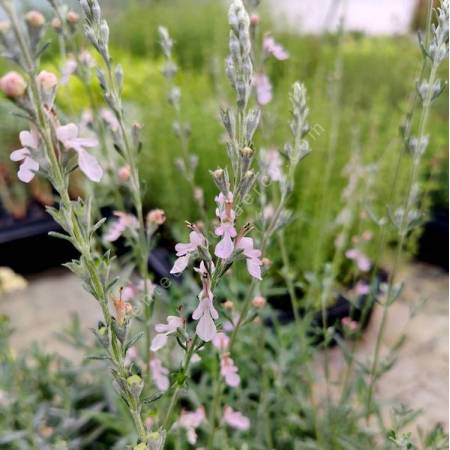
28, 139
89, 166
158, 342
19, 155
67, 133
27, 170
206, 329
180, 264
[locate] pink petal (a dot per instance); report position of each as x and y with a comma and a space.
180, 264
87, 142
263, 89
158, 342
224, 249
254, 268
201, 309
206, 329
27, 170
89, 166
28, 139
67, 133
19, 155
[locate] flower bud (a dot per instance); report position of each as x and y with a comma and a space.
254, 20
221, 179
56, 24
72, 17
47, 80
259, 302
35, 19
266, 262
12, 84
229, 305
156, 217
136, 385
124, 173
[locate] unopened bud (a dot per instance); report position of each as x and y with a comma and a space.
56, 24
266, 262
34, 19
254, 20
13, 85
220, 178
156, 217
228, 305
124, 173
72, 17
259, 302
47, 80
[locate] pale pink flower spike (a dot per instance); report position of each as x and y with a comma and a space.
235, 419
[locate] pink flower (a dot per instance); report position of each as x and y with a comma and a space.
190, 421
361, 260
196, 240
221, 341
124, 173
229, 371
68, 136
235, 419
349, 323
124, 221
362, 288
253, 256
131, 355
224, 248
273, 164
275, 49
263, 88
110, 119
159, 374
69, 69
163, 330
29, 166
205, 312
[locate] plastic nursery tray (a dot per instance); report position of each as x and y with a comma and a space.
25, 245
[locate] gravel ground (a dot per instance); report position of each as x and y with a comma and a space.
419, 379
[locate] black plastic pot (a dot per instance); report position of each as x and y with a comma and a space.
25, 245
433, 244
359, 311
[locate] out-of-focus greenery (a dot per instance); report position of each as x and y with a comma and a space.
378, 80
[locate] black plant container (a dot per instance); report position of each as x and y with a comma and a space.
359, 311
433, 244
25, 245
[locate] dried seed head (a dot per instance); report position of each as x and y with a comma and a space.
13, 85
34, 19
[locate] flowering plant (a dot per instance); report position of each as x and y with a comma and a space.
163, 403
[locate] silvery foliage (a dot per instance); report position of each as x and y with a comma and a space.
239, 66
436, 51
299, 147
240, 127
